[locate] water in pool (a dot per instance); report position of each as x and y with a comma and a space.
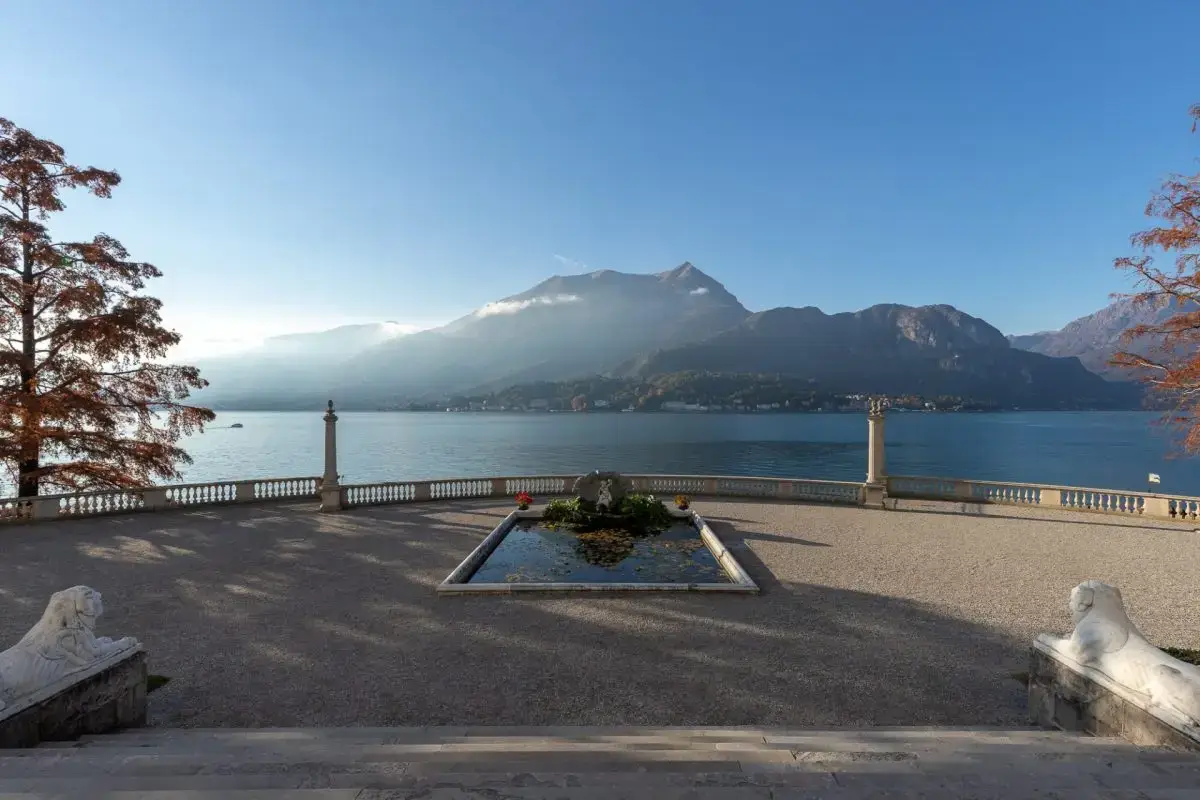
533, 552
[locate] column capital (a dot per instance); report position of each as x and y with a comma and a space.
329, 415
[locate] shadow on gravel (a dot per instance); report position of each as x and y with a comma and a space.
279, 616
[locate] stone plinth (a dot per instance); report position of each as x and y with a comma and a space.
1105, 678
109, 694
1067, 695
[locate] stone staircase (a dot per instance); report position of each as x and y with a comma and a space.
578, 763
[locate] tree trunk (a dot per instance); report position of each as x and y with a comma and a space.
30, 461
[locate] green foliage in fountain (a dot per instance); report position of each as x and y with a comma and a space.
636, 514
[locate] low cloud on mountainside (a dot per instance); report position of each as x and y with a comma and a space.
699, 290
573, 263
514, 306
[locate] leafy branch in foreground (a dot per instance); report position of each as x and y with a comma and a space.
1168, 355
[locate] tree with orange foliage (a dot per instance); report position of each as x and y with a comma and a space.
1170, 359
85, 400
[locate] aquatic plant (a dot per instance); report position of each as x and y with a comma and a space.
636, 514
565, 512
644, 513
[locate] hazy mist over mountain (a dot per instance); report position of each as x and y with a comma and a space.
613, 323
566, 326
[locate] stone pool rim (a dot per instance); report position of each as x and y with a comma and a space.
456, 582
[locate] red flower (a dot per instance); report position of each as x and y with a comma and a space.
524, 498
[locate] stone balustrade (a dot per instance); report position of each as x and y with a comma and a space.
155, 498
1062, 498
335, 496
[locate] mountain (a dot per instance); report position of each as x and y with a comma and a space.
564, 327
335, 342
892, 349
296, 370
632, 326
1095, 338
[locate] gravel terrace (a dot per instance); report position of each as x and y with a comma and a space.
274, 615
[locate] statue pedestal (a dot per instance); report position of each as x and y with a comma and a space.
106, 696
1070, 696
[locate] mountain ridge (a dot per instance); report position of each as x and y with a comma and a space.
1094, 338
891, 349
606, 322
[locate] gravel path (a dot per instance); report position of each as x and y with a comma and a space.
278, 616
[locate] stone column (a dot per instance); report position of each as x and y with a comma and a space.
331, 491
876, 484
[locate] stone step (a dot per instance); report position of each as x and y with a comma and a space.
433, 793
355, 761
1116, 782
660, 738
191, 794
343, 753
596, 763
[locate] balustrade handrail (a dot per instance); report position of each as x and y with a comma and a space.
336, 496
151, 488
573, 476
631, 475
1053, 486
189, 495
570, 477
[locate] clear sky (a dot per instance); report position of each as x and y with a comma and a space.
296, 165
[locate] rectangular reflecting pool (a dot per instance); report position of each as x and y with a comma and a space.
523, 553
534, 552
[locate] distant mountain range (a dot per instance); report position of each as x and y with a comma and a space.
1094, 339
625, 325
892, 349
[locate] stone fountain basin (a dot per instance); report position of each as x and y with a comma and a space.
459, 582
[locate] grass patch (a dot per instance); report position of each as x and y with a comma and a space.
1183, 654
154, 682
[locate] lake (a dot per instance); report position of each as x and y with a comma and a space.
1099, 449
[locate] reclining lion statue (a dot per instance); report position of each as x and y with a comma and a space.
1107, 640
63, 641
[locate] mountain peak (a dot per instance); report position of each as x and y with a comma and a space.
685, 270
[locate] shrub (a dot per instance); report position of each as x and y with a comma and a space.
645, 513
565, 512
1184, 654
638, 514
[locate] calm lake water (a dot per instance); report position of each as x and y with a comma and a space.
535, 553
1100, 449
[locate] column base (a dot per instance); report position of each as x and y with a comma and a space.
331, 499
874, 494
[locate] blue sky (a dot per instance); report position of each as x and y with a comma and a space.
297, 165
